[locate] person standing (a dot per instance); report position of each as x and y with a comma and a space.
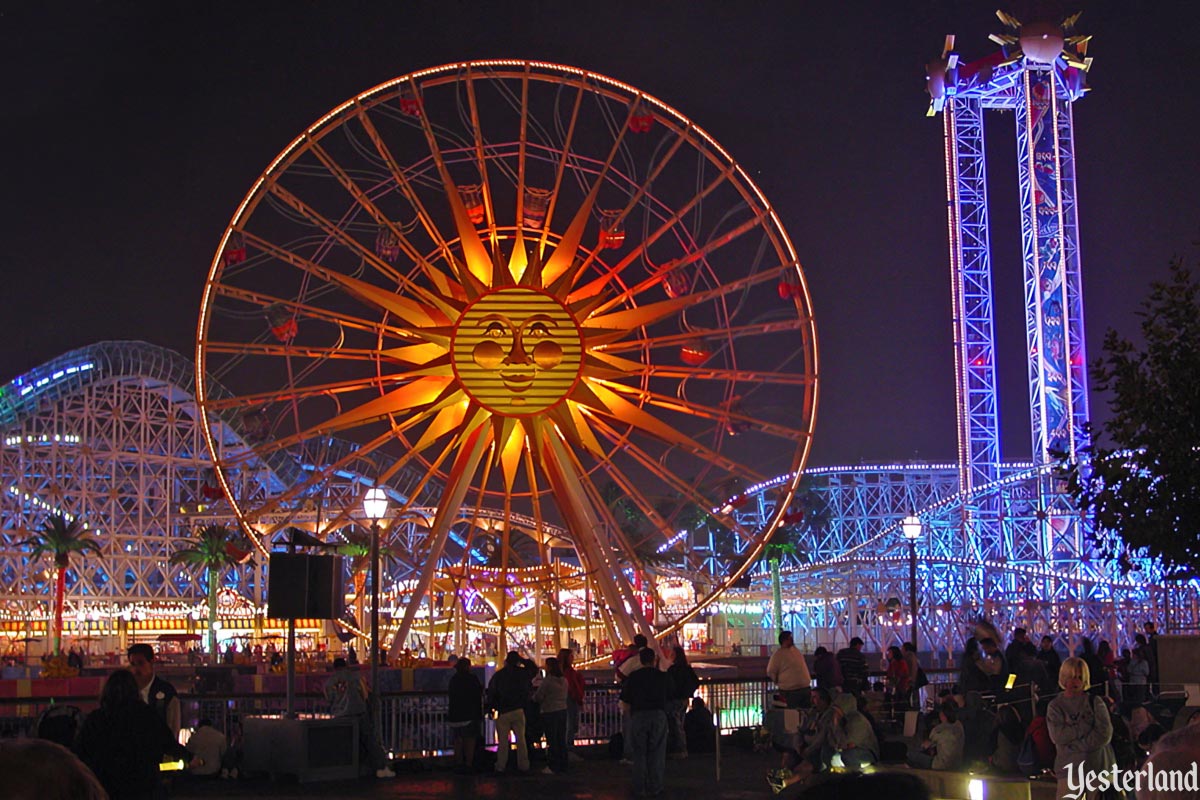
898, 677
1080, 728
466, 713
684, 683
646, 691
508, 693
1049, 657
124, 740
1151, 633
826, 670
155, 692
854, 666
346, 692
789, 671
551, 697
566, 662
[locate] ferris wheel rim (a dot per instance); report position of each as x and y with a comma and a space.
338, 116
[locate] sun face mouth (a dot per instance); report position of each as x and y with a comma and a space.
517, 381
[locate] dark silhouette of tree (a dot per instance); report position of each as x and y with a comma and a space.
1141, 488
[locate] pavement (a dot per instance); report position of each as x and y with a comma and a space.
742, 774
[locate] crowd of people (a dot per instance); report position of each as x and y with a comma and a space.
661, 718
1021, 710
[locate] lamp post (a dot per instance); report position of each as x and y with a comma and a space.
375, 506
911, 527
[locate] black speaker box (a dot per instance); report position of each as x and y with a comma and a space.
300, 585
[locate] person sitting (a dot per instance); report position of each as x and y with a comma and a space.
853, 737
819, 738
1010, 733
698, 727
944, 747
208, 747
347, 694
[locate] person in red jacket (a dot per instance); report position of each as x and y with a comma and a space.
566, 659
898, 679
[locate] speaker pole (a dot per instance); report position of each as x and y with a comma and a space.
291, 652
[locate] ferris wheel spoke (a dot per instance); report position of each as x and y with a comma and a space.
457, 484
368, 256
633, 317
586, 529
639, 195
306, 352
489, 211
288, 394
406, 189
563, 267
278, 502
631, 491
475, 273
381, 220
559, 171
730, 333
699, 254
716, 414
260, 302
639, 250
639, 454
609, 403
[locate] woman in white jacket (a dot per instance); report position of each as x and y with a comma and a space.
1080, 728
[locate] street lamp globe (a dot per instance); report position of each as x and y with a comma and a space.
910, 526
375, 504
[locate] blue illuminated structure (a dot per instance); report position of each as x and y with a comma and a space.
1000, 540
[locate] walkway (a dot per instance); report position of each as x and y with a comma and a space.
743, 775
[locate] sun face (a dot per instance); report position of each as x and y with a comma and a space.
516, 351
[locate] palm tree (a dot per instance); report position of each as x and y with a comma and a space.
213, 548
357, 548
774, 553
59, 537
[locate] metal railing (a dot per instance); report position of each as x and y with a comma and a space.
414, 723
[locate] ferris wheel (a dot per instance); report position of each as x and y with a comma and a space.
553, 296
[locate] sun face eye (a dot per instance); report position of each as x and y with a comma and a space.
538, 330
494, 330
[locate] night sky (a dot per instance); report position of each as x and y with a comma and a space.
131, 131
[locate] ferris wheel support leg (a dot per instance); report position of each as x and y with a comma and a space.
584, 526
456, 491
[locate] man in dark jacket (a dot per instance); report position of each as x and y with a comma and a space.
156, 692
508, 693
646, 691
854, 666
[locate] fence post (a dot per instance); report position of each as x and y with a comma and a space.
717, 738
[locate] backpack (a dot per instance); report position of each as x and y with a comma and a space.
59, 724
1027, 757
921, 680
